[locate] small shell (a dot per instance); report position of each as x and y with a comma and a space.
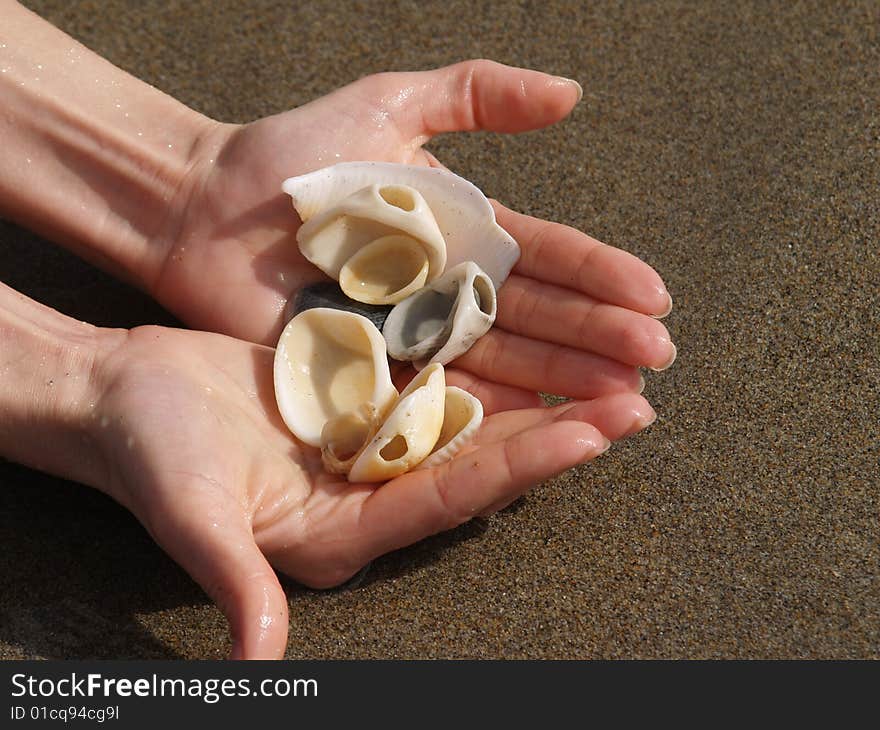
462, 416
343, 437
463, 213
327, 364
328, 294
441, 321
409, 433
380, 242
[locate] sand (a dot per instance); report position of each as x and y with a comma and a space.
735, 147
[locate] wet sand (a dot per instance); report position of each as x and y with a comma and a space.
735, 147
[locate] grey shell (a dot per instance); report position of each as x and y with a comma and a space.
441, 321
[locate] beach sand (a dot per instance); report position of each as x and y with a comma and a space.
733, 146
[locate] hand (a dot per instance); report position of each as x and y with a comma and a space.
190, 440
576, 316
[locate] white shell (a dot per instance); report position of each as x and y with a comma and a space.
409, 433
463, 213
462, 416
381, 242
328, 363
441, 321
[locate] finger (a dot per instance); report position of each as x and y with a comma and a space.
552, 313
558, 254
215, 546
522, 362
616, 416
495, 397
472, 95
422, 503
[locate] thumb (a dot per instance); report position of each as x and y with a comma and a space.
215, 545
473, 95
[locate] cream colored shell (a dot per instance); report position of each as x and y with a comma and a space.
329, 363
380, 242
463, 214
462, 416
344, 436
408, 434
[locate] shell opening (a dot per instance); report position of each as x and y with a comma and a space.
427, 317
484, 295
385, 271
456, 415
399, 197
394, 449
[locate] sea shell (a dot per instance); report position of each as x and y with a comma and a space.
441, 321
409, 433
463, 213
344, 436
380, 242
329, 363
462, 416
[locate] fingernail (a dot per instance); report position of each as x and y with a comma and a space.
641, 384
668, 308
669, 363
641, 422
572, 82
592, 449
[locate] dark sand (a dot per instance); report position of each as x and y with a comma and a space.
734, 146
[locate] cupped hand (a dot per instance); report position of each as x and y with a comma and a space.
191, 441
575, 318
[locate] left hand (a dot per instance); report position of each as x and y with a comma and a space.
575, 318
182, 429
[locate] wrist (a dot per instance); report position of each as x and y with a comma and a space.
51, 388
93, 158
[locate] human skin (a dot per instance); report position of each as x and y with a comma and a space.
181, 428
186, 207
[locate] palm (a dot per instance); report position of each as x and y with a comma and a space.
240, 233
195, 447
208, 445
236, 262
